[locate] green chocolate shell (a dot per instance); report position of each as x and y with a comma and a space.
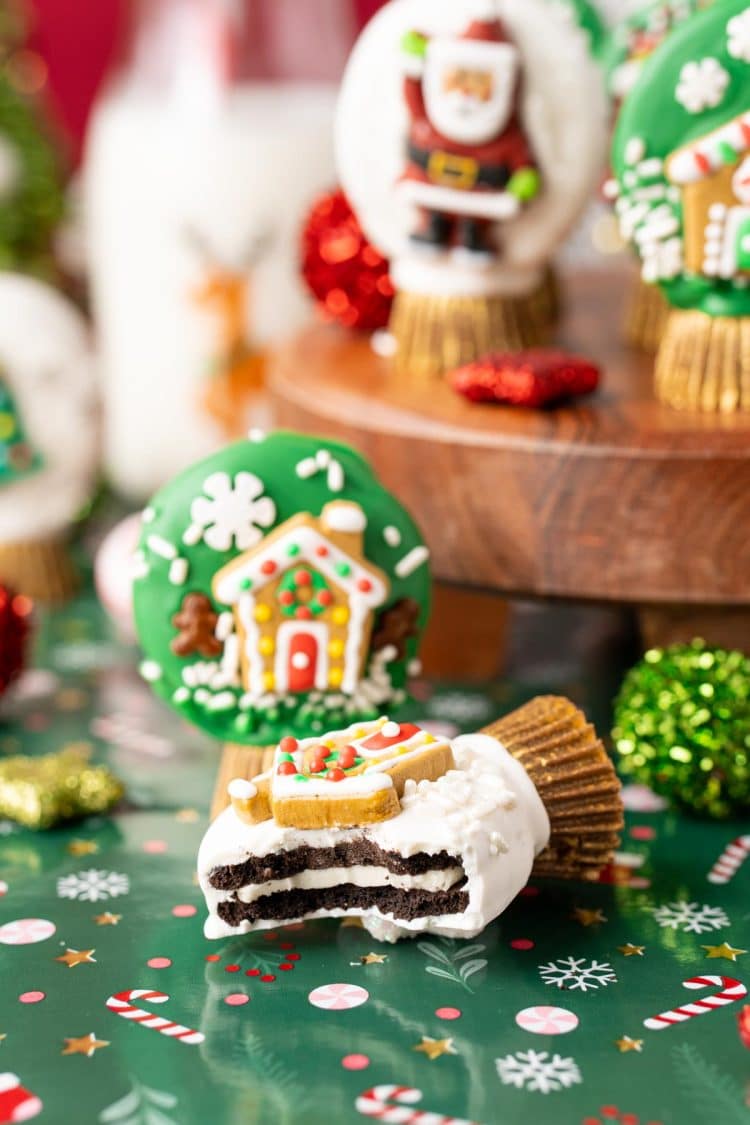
690, 101
279, 589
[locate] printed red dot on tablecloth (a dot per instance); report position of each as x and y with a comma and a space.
231, 968
292, 956
252, 972
268, 978
213, 957
521, 943
355, 1062
286, 945
236, 999
31, 997
270, 936
159, 962
286, 968
448, 1013
155, 847
184, 910
642, 832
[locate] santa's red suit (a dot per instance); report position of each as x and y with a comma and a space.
469, 161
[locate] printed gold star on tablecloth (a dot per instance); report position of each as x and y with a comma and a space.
82, 847
724, 950
434, 1048
84, 1045
628, 1044
72, 957
107, 919
630, 950
589, 917
3, 1035
373, 959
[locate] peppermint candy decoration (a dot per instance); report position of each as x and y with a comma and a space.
338, 997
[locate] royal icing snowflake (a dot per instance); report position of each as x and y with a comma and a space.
93, 885
701, 85
573, 973
738, 34
689, 917
538, 1071
231, 511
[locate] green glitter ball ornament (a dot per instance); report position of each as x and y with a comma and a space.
682, 727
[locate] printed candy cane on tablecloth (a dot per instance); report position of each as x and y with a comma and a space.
120, 1003
730, 860
731, 990
379, 1103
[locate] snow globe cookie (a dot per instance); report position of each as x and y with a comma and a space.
280, 591
471, 165
681, 157
631, 43
49, 435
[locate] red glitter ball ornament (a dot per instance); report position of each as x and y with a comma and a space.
15, 624
534, 378
348, 277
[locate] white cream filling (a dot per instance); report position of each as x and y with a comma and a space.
359, 876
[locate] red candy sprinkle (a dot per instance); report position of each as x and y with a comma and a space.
288, 745
336, 775
286, 597
347, 757
286, 769
303, 613
325, 597
303, 578
321, 551
531, 378
365, 585
268, 567
317, 765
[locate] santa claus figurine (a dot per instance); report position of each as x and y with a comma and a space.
469, 162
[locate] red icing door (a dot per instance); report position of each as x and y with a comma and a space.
303, 662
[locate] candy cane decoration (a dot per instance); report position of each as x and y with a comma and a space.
379, 1103
730, 860
120, 1003
731, 990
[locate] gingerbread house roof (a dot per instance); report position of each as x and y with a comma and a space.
707, 155
316, 542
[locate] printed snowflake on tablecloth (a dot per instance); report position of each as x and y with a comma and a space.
689, 917
538, 1071
93, 885
702, 85
573, 973
738, 33
230, 511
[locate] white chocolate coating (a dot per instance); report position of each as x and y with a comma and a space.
47, 361
486, 813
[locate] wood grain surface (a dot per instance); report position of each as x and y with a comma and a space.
613, 498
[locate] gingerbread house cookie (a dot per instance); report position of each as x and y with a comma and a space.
281, 590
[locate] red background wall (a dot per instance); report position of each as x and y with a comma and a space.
79, 49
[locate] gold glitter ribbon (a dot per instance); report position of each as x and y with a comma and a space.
42, 792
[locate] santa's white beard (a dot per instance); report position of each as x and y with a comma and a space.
466, 119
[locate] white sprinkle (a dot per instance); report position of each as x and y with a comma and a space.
392, 536
411, 562
224, 701
151, 671
306, 468
336, 478
193, 535
635, 150
148, 515
391, 730
140, 567
181, 695
242, 790
384, 344
178, 572
202, 696
611, 189
414, 668
256, 435
323, 458
161, 546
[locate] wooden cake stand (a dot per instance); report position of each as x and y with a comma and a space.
612, 499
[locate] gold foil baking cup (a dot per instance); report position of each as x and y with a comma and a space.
42, 569
437, 334
647, 315
563, 756
244, 762
703, 363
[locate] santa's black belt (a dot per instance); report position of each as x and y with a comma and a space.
461, 172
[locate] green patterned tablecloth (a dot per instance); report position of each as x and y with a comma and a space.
539, 1020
